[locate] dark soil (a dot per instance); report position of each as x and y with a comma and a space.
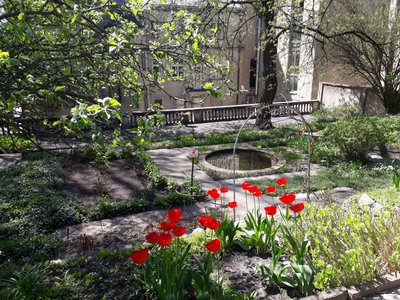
122, 179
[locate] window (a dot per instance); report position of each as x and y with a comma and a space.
158, 101
156, 68
253, 73
177, 72
294, 50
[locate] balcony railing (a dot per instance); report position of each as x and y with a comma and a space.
224, 113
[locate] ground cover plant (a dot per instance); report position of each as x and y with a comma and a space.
35, 202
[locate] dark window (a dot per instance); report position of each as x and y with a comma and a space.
253, 73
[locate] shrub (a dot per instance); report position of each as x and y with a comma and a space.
353, 247
355, 136
153, 172
336, 113
111, 208
14, 143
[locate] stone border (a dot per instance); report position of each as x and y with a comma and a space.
220, 173
378, 285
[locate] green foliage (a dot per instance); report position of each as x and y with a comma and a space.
27, 284
260, 232
349, 248
111, 208
276, 137
227, 232
355, 136
100, 154
153, 172
352, 175
33, 205
14, 143
332, 114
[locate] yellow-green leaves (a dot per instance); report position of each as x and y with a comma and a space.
21, 16
208, 86
4, 55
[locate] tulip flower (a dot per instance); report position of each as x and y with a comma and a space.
288, 198
232, 204
164, 239
152, 237
223, 190
271, 189
167, 226
140, 256
213, 193
281, 181
179, 231
174, 215
213, 246
296, 208
270, 210
245, 186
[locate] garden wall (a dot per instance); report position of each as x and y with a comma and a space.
331, 94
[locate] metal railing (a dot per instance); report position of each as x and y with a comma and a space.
223, 113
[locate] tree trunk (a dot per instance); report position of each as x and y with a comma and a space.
391, 100
269, 55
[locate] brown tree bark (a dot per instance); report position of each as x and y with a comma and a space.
269, 54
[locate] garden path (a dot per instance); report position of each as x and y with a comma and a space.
7, 160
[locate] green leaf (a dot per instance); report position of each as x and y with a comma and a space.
21, 16
208, 86
94, 107
59, 88
114, 102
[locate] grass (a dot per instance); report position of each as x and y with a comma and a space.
345, 175
385, 196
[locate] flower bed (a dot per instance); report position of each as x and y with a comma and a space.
308, 249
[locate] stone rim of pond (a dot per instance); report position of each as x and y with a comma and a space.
277, 160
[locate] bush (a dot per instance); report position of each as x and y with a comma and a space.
14, 143
355, 136
351, 247
340, 112
153, 172
111, 208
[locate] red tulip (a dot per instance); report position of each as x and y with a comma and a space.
253, 188
271, 189
174, 215
257, 193
245, 186
223, 190
296, 208
214, 245
213, 193
204, 220
167, 226
288, 198
164, 239
270, 210
214, 224
232, 204
281, 181
179, 231
140, 256
152, 237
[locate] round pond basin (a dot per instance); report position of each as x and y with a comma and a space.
248, 162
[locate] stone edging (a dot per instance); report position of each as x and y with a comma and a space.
383, 283
221, 173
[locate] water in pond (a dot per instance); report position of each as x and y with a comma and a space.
245, 160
